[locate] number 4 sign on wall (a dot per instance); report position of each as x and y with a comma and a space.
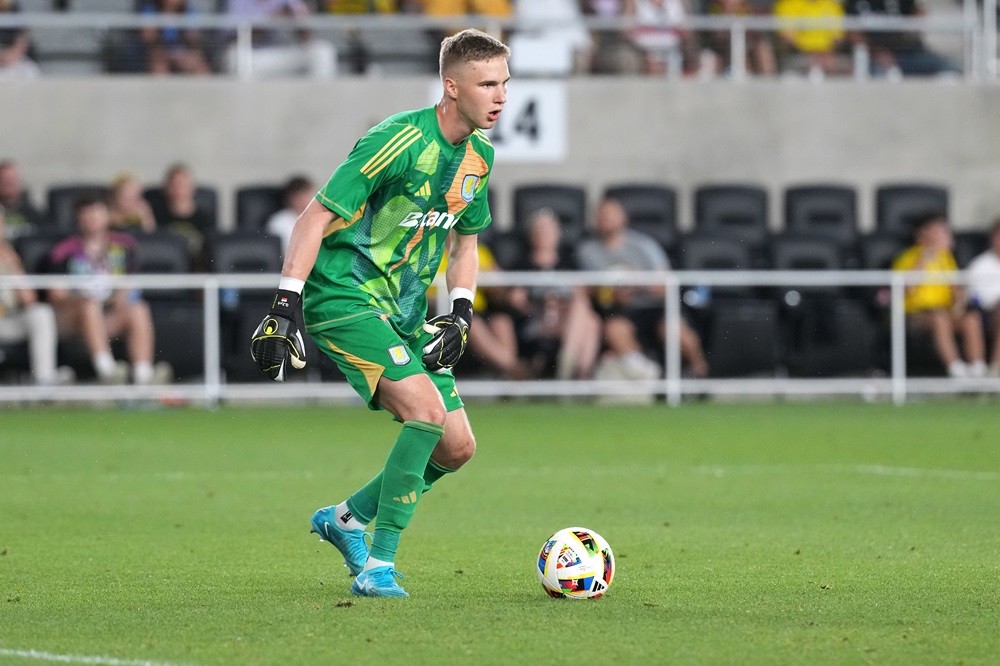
532, 127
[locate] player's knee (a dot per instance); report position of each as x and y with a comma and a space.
459, 452
428, 412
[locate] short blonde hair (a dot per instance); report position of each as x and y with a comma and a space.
470, 46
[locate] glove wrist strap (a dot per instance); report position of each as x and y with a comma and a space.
463, 308
285, 302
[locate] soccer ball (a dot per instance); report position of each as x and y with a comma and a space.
576, 563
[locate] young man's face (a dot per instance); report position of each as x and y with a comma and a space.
936, 235
480, 91
93, 219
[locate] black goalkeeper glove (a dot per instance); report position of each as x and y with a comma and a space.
277, 338
451, 332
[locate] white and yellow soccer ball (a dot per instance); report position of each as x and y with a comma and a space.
576, 563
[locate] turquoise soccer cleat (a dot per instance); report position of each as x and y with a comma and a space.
351, 543
378, 582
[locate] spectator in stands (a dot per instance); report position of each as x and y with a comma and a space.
15, 48
984, 286
818, 46
363, 6
23, 318
634, 320
298, 192
614, 51
22, 217
128, 208
180, 213
760, 58
668, 48
95, 311
941, 309
893, 53
173, 50
499, 8
551, 38
496, 341
276, 52
558, 329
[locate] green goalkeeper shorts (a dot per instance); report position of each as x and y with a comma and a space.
367, 349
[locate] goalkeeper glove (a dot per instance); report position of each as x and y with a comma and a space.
451, 332
277, 339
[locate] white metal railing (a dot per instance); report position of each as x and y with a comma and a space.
212, 388
977, 28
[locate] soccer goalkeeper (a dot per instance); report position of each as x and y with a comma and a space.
360, 260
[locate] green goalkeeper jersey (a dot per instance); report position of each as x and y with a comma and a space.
399, 192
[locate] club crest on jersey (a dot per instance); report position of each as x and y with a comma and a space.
429, 219
469, 185
399, 355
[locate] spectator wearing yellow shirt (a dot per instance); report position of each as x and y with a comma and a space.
494, 337
942, 309
818, 45
459, 7
362, 6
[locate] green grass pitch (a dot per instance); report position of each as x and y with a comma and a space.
840, 533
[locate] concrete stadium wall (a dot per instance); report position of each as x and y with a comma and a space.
683, 134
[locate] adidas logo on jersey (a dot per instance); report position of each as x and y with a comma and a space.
429, 219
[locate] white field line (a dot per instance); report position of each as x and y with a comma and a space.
76, 659
872, 470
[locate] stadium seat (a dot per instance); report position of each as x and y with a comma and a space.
968, 244
899, 205
743, 338
242, 310
60, 200
178, 325
876, 251
255, 204
829, 337
652, 209
823, 332
827, 211
244, 253
697, 252
163, 252
568, 201
805, 253
34, 250
507, 248
733, 211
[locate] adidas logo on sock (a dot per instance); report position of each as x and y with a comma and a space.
407, 499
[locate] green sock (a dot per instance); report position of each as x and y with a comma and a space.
402, 485
433, 472
364, 503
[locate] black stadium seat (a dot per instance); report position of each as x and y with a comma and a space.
827, 211
255, 204
163, 252
697, 252
34, 250
734, 211
899, 205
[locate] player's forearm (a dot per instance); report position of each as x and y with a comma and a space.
463, 263
304, 243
